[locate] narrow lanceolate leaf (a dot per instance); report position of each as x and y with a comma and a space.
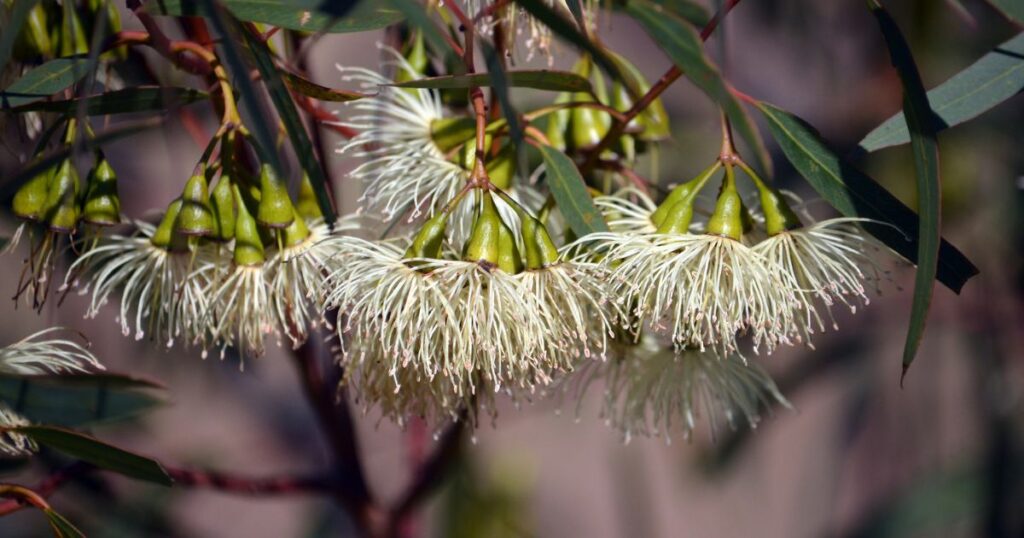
9, 33
1011, 9
78, 400
683, 45
137, 99
538, 79
292, 123
416, 16
687, 10
43, 81
996, 77
925, 147
98, 453
323, 93
304, 16
62, 528
855, 194
571, 194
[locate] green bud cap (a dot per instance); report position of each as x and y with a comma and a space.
248, 244
558, 123
484, 239
296, 232
450, 133
275, 209
102, 206
509, 259
677, 220
778, 216
62, 199
196, 217
467, 155
586, 127
540, 249
427, 243
164, 233
415, 53
652, 123
727, 220
34, 39
72, 34
307, 204
222, 202
686, 190
501, 169
30, 200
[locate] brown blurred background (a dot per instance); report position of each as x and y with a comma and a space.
859, 456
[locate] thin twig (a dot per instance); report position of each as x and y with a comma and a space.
428, 476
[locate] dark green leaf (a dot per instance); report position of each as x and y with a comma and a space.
98, 453
568, 30
76, 400
690, 12
303, 16
1011, 9
62, 528
44, 81
925, 148
137, 99
855, 194
292, 122
316, 91
9, 33
682, 44
571, 194
417, 17
996, 77
539, 79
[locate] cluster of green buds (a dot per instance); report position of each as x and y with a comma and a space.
55, 29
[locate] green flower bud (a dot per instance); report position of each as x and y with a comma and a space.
73, 40
30, 200
558, 123
62, 199
196, 216
509, 259
450, 133
416, 54
540, 249
164, 233
651, 124
778, 216
467, 155
586, 128
275, 209
677, 220
102, 205
501, 168
727, 220
307, 204
248, 244
296, 232
34, 39
428, 241
222, 203
483, 244
683, 191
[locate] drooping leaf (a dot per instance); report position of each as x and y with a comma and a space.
9, 33
137, 99
687, 10
62, 528
305, 16
416, 16
1011, 9
683, 45
44, 81
539, 79
292, 123
855, 194
98, 453
76, 400
323, 93
994, 78
925, 148
571, 194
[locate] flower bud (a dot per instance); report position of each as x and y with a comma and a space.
275, 209
164, 234
222, 203
540, 249
30, 200
727, 220
62, 199
102, 205
427, 243
450, 133
651, 124
467, 155
501, 168
482, 245
34, 39
415, 54
509, 259
196, 217
248, 244
307, 205
558, 123
677, 220
778, 216
685, 190
73, 41
295, 233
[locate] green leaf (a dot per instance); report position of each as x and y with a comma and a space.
996, 77
539, 79
567, 29
1011, 9
925, 147
683, 45
417, 17
98, 453
571, 194
690, 12
44, 81
855, 194
9, 33
292, 122
137, 99
62, 528
323, 93
76, 400
302, 16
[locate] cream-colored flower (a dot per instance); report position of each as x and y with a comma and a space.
34, 355
14, 444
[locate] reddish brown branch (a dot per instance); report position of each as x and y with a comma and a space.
428, 476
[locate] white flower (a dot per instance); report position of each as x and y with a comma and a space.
650, 390
14, 444
240, 312
33, 355
625, 215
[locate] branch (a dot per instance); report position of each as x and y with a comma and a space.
429, 475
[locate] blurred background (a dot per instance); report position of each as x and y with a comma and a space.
856, 457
